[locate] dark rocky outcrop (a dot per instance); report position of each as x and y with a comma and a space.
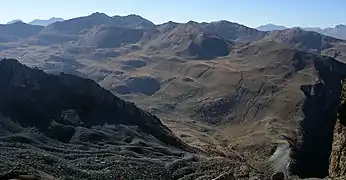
337, 167
208, 47
139, 84
34, 99
278, 176
135, 63
311, 154
216, 109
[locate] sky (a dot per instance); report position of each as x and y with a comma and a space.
252, 13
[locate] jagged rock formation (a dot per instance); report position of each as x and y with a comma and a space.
311, 154
337, 166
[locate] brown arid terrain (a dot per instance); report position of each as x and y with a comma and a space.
232, 97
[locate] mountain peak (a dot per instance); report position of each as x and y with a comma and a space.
133, 20
14, 21
340, 26
43, 22
270, 27
98, 14
57, 19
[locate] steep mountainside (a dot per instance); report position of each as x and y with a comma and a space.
23, 88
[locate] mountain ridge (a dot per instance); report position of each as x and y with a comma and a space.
339, 31
45, 22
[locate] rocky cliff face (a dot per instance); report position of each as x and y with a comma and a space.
337, 166
311, 153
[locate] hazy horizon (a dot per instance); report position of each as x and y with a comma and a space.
308, 13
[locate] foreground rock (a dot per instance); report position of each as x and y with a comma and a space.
337, 166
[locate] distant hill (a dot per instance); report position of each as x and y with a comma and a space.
133, 20
14, 21
339, 31
112, 36
190, 39
270, 27
307, 40
45, 22
17, 30
232, 31
76, 25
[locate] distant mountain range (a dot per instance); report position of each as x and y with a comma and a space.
39, 22
42, 22
271, 27
339, 31
14, 21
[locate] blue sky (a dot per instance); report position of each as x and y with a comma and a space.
305, 13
